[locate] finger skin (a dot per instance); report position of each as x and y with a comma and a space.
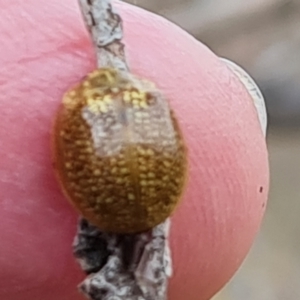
45, 49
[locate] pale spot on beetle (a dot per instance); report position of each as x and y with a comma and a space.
96, 172
68, 165
124, 171
143, 182
114, 170
166, 163
131, 196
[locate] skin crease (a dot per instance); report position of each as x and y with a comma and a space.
44, 51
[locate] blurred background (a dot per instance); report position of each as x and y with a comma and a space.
262, 36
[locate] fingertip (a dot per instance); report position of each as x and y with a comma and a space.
221, 211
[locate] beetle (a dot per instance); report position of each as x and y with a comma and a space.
119, 153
